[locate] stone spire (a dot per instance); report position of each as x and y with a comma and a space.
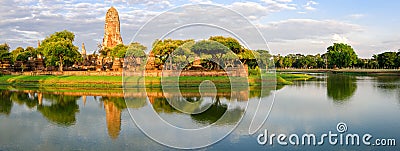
83, 53
112, 35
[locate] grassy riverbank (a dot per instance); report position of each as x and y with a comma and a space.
116, 81
346, 71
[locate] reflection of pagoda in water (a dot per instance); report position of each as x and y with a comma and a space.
113, 118
40, 98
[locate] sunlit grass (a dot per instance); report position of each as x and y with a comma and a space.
117, 81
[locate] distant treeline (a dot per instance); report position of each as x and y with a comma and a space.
339, 55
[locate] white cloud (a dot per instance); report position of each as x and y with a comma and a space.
155, 4
310, 5
293, 29
306, 35
251, 10
336, 38
26, 21
356, 16
28, 34
278, 5
201, 1
255, 11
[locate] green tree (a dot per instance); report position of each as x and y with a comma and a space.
118, 51
105, 51
311, 61
229, 42
278, 61
162, 49
265, 59
341, 55
249, 58
398, 59
215, 49
21, 54
303, 62
16, 52
373, 63
387, 59
58, 49
136, 50
320, 61
287, 62
135, 55
4, 48
183, 55
5, 52
30, 49
23, 57
361, 63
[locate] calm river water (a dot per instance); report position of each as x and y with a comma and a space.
40, 119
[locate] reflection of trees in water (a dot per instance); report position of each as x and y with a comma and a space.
135, 102
219, 114
318, 82
119, 102
5, 102
62, 109
341, 88
212, 114
29, 99
209, 116
161, 105
257, 91
389, 84
193, 99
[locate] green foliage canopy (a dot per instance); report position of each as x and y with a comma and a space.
4, 52
229, 42
136, 50
341, 55
58, 49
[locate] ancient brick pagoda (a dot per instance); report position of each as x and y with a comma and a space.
112, 37
112, 29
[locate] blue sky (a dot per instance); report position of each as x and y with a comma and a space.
290, 26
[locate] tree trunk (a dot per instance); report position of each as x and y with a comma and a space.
61, 64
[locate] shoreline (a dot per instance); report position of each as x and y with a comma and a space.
116, 81
345, 71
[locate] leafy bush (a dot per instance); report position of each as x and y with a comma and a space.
255, 71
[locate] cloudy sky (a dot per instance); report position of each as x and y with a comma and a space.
289, 26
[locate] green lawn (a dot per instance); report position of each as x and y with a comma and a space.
116, 81
294, 77
50, 80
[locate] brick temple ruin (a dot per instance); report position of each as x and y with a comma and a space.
104, 64
112, 37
